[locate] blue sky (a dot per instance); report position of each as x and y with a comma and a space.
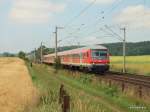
25, 23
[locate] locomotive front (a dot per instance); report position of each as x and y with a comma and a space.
100, 60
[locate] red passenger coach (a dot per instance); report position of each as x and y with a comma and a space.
92, 58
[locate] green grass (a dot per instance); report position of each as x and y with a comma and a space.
86, 95
111, 95
134, 64
48, 90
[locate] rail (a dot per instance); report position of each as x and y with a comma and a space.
129, 78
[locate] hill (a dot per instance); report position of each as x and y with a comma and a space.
115, 49
7, 54
132, 49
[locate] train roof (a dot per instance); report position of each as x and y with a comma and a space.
79, 50
94, 47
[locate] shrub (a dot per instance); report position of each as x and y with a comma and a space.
57, 64
112, 91
85, 78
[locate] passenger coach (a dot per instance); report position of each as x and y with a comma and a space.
91, 58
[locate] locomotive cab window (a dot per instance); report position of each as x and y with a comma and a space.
99, 54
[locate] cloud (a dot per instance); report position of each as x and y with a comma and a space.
2, 2
135, 16
102, 2
34, 11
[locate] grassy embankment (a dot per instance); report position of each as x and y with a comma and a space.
135, 64
86, 95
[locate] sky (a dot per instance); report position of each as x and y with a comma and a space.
24, 24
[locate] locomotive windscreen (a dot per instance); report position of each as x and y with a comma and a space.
99, 54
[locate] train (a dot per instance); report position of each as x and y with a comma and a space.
93, 58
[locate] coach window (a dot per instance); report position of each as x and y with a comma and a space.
74, 56
87, 54
77, 56
84, 55
62, 57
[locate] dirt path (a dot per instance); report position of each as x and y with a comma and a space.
16, 88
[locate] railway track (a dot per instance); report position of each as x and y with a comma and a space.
129, 78
138, 80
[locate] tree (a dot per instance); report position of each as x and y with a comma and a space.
57, 64
22, 55
7, 54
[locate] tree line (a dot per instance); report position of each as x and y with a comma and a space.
115, 49
132, 49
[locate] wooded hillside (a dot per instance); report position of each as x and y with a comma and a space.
115, 49
132, 49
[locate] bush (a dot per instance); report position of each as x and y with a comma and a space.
22, 55
85, 78
112, 91
57, 64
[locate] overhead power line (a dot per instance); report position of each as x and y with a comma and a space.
80, 13
109, 10
114, 33
115, 5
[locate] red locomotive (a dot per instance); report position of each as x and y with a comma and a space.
91, 58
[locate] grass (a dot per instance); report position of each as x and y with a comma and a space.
109, 94
86, 95
47, 88
134, 64
46, 81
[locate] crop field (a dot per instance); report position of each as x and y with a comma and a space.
134, 64
16, 89
86, 93
26, 88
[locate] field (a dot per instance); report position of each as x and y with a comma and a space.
87, 94
36, 89
16, 89
134, 64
